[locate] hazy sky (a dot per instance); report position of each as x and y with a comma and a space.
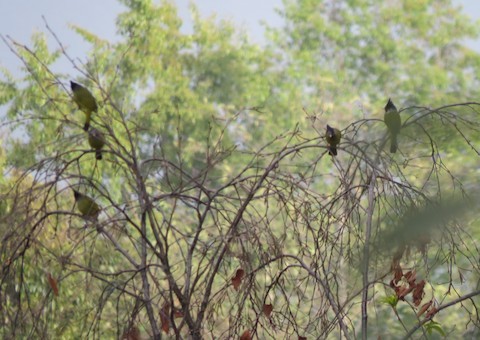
21, 18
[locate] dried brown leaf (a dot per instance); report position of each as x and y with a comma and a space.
246, 335
165, 317
411, 276
398, 273
267, 310
424, 308
133, 333
53, 284
237, 280
418, 293
404, 291
431, 312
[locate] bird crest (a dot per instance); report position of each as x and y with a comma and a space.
330, 131
76, 194
74, 85
390, 106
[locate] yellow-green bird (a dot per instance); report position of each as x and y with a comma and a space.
85, 101
96, 139
394, 124
333, 137
86, 205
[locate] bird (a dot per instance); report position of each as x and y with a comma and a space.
86, 205
333, 137
394, 124
85, 101
96, 139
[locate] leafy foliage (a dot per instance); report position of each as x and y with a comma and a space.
222, 214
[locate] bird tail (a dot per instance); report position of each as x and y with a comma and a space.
393, 143
87, 121
98, 154
332, 150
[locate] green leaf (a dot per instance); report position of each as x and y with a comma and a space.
392, 300
432, 326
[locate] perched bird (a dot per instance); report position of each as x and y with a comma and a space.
333, 137
96, 139
87, 206
394, 123
85, 101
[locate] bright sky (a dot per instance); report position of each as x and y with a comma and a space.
23, 17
